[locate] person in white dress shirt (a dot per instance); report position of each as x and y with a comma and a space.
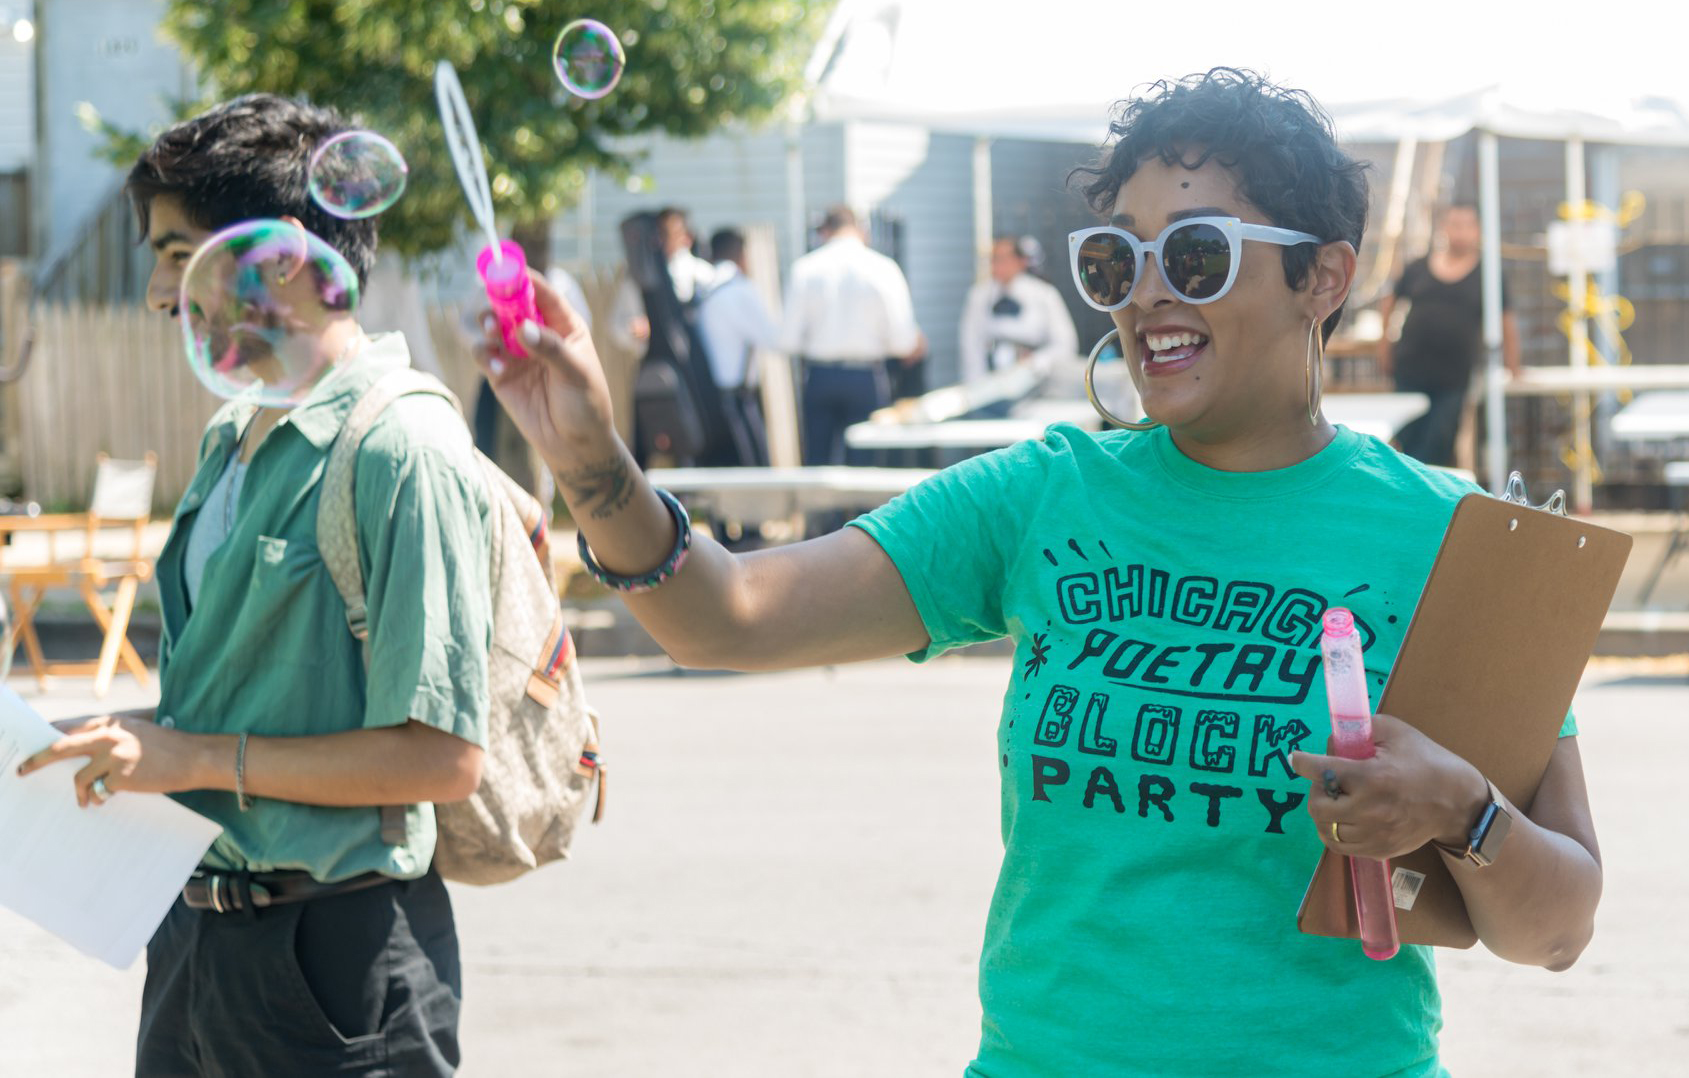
1014, 316
848, 310
734, 323
691, 276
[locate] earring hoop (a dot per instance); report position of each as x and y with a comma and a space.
1315, 374
1091, 389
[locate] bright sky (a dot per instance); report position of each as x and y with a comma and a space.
1076, 51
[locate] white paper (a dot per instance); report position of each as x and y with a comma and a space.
100, 878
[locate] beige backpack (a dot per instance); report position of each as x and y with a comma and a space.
541, 763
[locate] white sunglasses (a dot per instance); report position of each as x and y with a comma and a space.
1197, 258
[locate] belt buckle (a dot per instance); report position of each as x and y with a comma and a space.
214, 885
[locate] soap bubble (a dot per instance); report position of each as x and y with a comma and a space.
588, 58
357, 174
260, 305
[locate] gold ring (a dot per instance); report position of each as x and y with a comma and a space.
1335, 836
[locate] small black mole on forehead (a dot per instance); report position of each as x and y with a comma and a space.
1186, 183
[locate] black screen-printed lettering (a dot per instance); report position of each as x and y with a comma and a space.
1126, 658
1091, 737
1299, 670
1102, 782
1193, 599
1209, 732
1156, 735
1168, 658
1057, 717
1215, 794
1155, 790
1156, 601
1077, 597
1276, 809
1295, 620
1275, 741
1125, 596
1096, 643
1073, 545
1047, 771
1253, 661
1244, 603
1209, 652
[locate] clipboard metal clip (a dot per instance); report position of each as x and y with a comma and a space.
1515, 493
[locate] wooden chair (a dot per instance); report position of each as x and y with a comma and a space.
122, 500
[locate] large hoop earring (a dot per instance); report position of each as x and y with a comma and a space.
1315, 377
1112, 335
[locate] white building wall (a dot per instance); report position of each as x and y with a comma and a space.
110, 54
17, 103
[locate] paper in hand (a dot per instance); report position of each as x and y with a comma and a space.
100, 878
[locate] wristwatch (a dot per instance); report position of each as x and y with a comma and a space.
1483, 844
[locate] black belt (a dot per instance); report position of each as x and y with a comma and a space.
235, 892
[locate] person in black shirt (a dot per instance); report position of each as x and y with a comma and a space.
1442, 338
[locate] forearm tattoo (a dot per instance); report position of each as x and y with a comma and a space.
603, 489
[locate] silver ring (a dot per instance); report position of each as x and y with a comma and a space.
101, 792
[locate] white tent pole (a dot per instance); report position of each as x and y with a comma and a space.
1495, 403
982, 207
1577, 283
796, 212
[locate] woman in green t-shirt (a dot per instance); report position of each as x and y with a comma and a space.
1164, 587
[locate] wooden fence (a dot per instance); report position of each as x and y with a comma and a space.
107, 379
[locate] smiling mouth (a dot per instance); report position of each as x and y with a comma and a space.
1166, 352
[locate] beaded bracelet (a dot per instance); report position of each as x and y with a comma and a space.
645, 581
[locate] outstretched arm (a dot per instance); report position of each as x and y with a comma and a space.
834, 599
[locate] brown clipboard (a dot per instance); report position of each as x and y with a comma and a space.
1488, 668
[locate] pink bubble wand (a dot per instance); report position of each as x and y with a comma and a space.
502, 267
1351, 737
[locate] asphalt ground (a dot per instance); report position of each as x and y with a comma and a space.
793, 875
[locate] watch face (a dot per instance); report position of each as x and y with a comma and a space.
1488, 836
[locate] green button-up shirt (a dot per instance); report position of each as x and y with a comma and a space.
267, 651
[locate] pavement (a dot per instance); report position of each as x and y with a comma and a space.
793, 875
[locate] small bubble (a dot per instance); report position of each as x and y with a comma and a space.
357, 174
588, 59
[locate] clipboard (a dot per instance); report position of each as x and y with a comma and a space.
1489, 665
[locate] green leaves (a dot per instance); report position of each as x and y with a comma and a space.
692, 65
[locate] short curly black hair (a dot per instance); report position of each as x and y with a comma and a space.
1277, 142
250, 157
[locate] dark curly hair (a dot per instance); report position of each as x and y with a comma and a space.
249, 157
1277, 142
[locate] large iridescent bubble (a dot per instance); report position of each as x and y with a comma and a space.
357, 174
266, 310
588, 58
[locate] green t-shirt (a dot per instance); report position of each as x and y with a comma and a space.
266, 648
1166, 618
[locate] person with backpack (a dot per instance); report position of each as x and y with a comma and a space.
318, 937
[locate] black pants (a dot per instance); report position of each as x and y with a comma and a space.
1430, 437
364, 983
835, 395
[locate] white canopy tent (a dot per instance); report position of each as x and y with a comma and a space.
1052, 70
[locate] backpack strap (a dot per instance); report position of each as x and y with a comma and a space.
337, 518
337, 521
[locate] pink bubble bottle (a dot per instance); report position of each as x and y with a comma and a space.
1351, 738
